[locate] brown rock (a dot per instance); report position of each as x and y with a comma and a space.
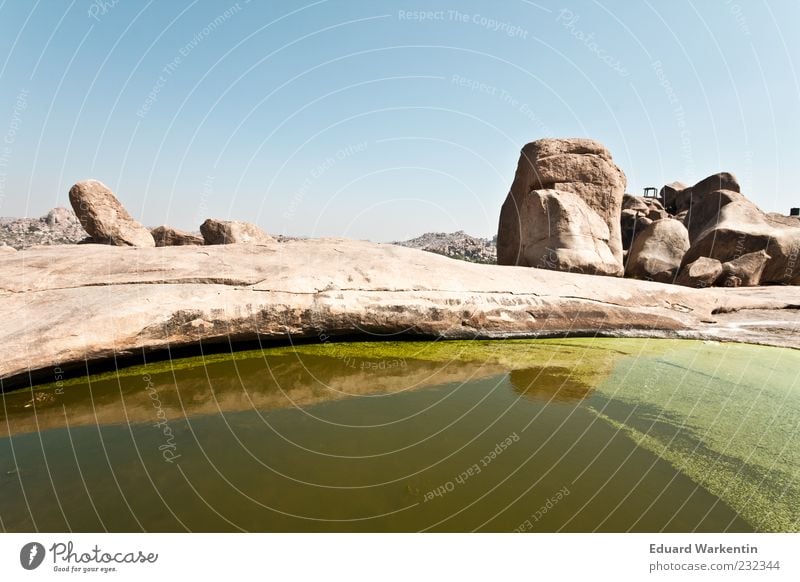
225, 232
166, 236
559, 231
4, 248
655, 210
104, 218
657, 251
581, 166
632, 223
747, 268
671, 194
676, 201
703, 272
635, 203
705, 212
741, 228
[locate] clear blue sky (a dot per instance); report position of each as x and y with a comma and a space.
363, 119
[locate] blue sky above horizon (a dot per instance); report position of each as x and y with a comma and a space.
380, 119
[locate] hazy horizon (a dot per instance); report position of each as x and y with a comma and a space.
384, 120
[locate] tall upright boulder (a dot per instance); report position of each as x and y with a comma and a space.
559, 231
583, 167
104, 217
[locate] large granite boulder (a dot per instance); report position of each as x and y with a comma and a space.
225, 232
705, 210
677, 199
732, 227
166, 236
559, 231
703, 272
104, 218
657, 251
581, 166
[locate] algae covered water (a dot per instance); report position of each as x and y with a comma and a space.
541, 436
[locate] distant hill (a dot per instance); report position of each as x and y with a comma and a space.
60, 226
456, 245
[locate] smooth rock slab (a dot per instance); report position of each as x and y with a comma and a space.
65, 305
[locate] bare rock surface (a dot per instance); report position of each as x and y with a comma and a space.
104, 218
65, 305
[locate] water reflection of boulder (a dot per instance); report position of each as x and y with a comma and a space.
552, 383
151, 393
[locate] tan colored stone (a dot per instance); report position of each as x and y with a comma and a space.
104, 218
225, 232
581, 166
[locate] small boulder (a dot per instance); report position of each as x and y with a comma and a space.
748, 268
166, 236
635, 203
104, 218
225, 232
657, 251
4, 248
703, 272
671, 194
655, 210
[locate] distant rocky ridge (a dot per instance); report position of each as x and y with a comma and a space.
456, 245
59, 226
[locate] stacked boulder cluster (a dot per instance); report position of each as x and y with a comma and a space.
567, 210
107, 222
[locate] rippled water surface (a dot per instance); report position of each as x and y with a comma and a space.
555, 435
